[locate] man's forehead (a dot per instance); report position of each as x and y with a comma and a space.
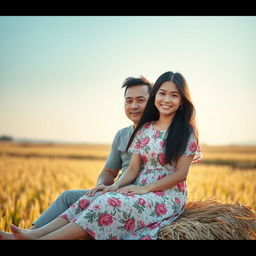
137, 91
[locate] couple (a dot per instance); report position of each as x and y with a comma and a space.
155, 155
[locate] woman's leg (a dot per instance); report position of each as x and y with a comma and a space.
40, 232
71, 231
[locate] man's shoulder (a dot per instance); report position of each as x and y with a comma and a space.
125, 130
123, 135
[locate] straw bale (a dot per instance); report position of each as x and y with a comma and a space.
212, 220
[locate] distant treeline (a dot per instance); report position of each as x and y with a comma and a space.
6, 138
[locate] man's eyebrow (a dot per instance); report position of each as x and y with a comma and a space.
136, 97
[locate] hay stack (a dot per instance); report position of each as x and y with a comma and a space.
212, 220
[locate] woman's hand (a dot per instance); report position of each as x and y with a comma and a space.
133, 189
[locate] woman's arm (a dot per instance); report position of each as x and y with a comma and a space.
167, 182
130, 174
182, 168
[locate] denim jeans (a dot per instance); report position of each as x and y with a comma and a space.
60, 205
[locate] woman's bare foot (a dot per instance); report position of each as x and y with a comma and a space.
6, 236
22, 234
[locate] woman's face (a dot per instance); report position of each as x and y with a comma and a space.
168, 99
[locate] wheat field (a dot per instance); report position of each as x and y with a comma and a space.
32, 176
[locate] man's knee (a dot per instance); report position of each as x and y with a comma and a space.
69, 197
66, 198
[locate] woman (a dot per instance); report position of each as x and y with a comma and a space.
137, 205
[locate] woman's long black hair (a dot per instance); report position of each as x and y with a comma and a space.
183, 122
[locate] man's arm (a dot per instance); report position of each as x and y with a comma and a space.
129, 176
107, 176
112, 167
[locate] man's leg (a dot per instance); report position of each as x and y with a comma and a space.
60, 205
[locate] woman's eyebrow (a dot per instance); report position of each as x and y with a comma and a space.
171, 91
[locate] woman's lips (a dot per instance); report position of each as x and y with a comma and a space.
165, 106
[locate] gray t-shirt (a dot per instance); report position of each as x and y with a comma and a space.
118, 158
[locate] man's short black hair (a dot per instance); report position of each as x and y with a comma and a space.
132, 81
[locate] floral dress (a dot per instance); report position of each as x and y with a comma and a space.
115, 215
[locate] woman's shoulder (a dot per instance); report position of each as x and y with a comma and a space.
144, 128
147, 125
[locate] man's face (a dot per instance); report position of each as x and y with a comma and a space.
135, 102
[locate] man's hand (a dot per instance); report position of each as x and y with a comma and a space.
111, 188
94, 190
133, 189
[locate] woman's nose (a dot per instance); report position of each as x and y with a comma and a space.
167, 99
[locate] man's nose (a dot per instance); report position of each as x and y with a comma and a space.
134, 105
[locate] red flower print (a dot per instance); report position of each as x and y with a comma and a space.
142, 201
148, 171
177, 200
105, 219
145, 141
147, 125
90, 233
162, 159
143, 181
97, 207
114, 202
159, 193
144, 158
192, 146
161, 209
83, 203
148, 237
141, 224
181, 186
137, 146
157, 134
65, 216
162, 143
129, 225
160, 177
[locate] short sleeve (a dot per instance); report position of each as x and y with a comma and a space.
135, 145
193, 148
114, 160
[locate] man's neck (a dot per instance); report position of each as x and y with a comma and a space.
135, 125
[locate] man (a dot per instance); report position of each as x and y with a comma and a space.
136, 94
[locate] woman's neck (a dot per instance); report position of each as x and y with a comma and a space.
164, 122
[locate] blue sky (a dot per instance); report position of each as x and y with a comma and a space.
61, 77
